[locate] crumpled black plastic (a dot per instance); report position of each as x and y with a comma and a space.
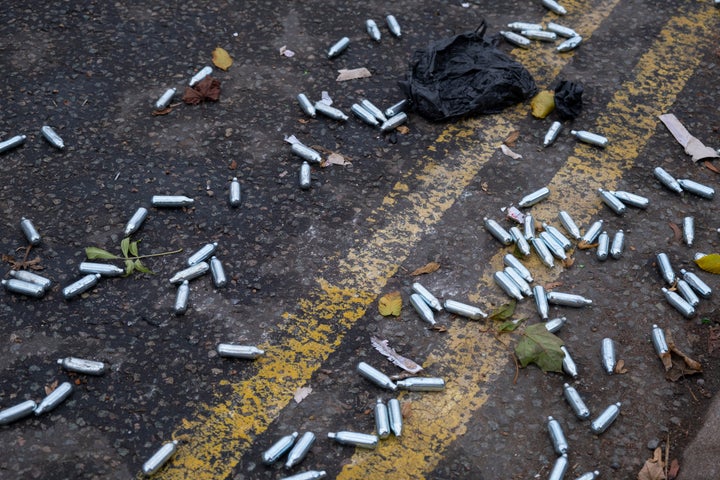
568, 99
465, 75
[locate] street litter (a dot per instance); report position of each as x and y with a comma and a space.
171, 201
202, 254
373, 30
590, 138
207, 89
16, 412
382, 419
80, 286
330, 112
22, 287
568, 99
81, 365
605, 419
53, 137
159, 458
362, 440
181, 298
393, 25
693, 147
376, 376
306, 105
338, 47
554, 7
13, 142
352, 74
300, 450
239, 351
278, 449
402, 362
506, 151
165, 99
552, 134
534, 197
28, 229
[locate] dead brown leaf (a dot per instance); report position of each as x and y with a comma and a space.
208, 89
233, 165
676, 231
164, 111
666, 359
402, 129
620, 367
551, 285
51, 388
568, 262
16, 264
583, 245
654, 468
429, 268
512, 138
406, 410
439, 328
484, 187
710, 166
402, 362
674, 469
680, 367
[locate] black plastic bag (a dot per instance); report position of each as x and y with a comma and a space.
465, 75
568, 99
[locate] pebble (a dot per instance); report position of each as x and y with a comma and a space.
653, 444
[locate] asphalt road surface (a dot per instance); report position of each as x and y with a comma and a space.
306, 268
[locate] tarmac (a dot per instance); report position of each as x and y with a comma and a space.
701, 460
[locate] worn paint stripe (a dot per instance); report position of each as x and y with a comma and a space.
629, 120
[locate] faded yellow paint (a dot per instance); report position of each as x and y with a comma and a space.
430, 431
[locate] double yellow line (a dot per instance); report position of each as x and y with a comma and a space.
221, 432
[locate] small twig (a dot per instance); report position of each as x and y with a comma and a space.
667, 454
139, 257
517, 369
691, 392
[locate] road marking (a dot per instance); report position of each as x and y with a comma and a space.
629, 120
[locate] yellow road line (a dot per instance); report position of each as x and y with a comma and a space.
629, 120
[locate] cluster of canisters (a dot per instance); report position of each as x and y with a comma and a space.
522, 34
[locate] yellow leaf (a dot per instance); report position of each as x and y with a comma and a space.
542, 104
390, 304
709, 263
221, 58
429, 268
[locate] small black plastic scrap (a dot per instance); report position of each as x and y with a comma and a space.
568, 99
465, 75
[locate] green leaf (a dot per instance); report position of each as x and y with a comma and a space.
94, 253
709, 263
142, 268
129, 267
134, 248
125, 246
510, 326
540, 347
504, 312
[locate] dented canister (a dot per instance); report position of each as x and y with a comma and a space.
520, 26
429, 298
330, 112
554, 7
422, 384
234, 193
529, 227
554, 325
306, 105
81, 365
103, 269
589, 137
31, 277
278, 449
218, 272
561, 463
696, 283
159, 458
696, 188
603, 246
539, 35
80, 286
612, 201
338, 48
689, 230
197, 78
364, 115
631, 199
202, 254
568, 299
666, 271
304, 179
307, 475
519, 281
516, 39
555, 248
569, 224
12, 142
522, 245
376, 376
190, 273
464, 310
592, 233
394, 122
608, 355
181, 298
510, 261
52, 137
541, 302
568, 364
382, 420
16, 412
575, 401
687, 292
543, 252
589, 475
558, 236
28, 229
395, 416
300, 449
508, 286
658, 341
239, 351
136, 221
534, 197
570, 44
552, 134
397, 108
171, 201
557, 436
618, 245
23, 287
667, 180
372, 30
55, 398
362, 440
561, 30
393, 25
605, 419
422, 308
679, 303
165, 99
502, 235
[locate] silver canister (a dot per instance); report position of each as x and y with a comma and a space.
364, 115
631, 199
422, 384
81, 365
394, 122
515, 276
535, 197
543, 252
568, 299
589, 137
569, 224
688, 230
28, 229
507, 285
382, 420
612, 201
16, 412
558, 236
190, 273
304, 179
687, 292
516, 39
589, 475
234, 197
159, 458
80, 286
528, 227
375, 111
520, 26
618, 245
557, 436
338, 47
197, 78
330, 112
696, 283
278, 449
218, 272
522, 245
573, 398
570, 44
666, 271
568, 364
464, 310
510, 261
239, 351
541, 303
396, 108
203, 254
171, 201
554, 7
603, 248
605, 419
679, 303
362, 440
306, 153
592, 233
553, 246
181, 298
696, 188
607, 352
429, 298
307, 475
395, 416
102, 269
52, 137
658, 341
561, 463
12, 142
373, 30
667, 180
376, 376
561, 30
24, 288
300, 449
539, 35
55, 398
165, 99
422, 308
136, 221
554, 325
393, 25
306, 105
31, 277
